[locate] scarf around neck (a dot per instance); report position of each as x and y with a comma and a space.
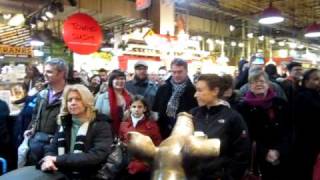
114, 108
264, 102
178, 90
79, 143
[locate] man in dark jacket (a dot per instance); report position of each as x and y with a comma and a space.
176, 95
141, 85
44, 117
293, 82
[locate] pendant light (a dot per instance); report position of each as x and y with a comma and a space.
271, 15
313, 31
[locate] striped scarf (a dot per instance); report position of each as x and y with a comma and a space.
79, 144
173, 104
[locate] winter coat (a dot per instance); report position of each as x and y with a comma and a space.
146, 127
306, 113
98, 142
4, 117
47, 121
186, 103
270, 127
147, 89
226, 124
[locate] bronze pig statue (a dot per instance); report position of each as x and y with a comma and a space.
167, 159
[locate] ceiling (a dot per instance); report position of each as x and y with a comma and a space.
298, 13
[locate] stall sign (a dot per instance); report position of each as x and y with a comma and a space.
6, 50
82, 33
142, 4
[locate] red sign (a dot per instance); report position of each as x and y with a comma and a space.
82, 33
142, 4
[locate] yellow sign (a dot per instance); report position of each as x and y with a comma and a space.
15, 51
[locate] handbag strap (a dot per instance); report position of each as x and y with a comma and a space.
37, 121
254, 158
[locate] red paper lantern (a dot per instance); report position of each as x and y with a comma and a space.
82, 33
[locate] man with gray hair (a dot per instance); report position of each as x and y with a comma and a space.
176, 95
43, 124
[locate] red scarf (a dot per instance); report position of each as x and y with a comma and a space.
114, 108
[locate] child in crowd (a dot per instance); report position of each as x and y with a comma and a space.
140, 121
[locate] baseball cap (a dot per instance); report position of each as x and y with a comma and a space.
140, 64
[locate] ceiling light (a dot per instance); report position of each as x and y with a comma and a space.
281, 43
313, 30
250, 35
44, 18
231, 28
209, 41
36, 41
241, 44
6, 16
49, 14
272, 41
17, 20
271, 15
292, 45
301, 46
261, 38
233, 43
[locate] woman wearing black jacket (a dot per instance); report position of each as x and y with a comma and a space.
306, 113
217, 120
84, 138
269, 126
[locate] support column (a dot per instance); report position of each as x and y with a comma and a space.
162, 14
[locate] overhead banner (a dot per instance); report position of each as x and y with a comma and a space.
142, 4
82, 33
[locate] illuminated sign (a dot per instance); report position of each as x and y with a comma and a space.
15, 51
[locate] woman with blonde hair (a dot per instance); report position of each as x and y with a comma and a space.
84, 137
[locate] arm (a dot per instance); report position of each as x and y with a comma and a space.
233, 160
100, 148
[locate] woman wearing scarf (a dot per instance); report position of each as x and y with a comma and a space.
115, 100
267, 119
84, 138
81, 144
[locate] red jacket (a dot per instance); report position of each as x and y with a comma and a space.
145, 126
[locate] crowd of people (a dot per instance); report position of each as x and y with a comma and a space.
263, 119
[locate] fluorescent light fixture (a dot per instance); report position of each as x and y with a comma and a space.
233, 43
241, 44
250, 35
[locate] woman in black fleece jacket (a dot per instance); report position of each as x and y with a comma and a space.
217, 120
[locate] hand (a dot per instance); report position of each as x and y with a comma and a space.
48, 164
50, 158
272, 155
28, 133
